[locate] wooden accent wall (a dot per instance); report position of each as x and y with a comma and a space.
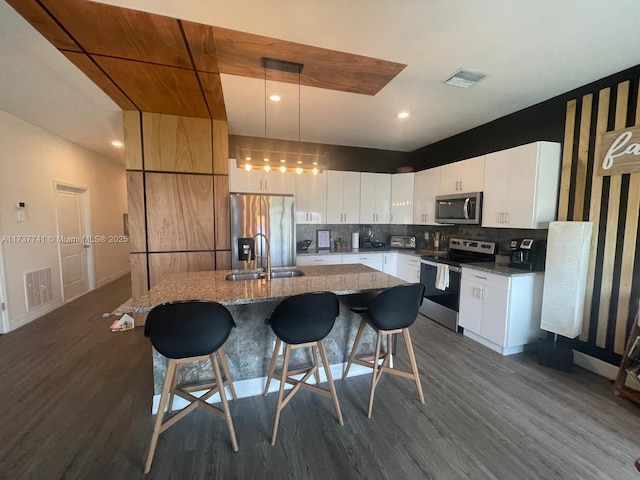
178, 194
612, 203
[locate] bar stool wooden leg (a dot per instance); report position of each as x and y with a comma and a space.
314, 351
283, 380
272, 365
332, 388
166, 386
174, 382
376, 375
227, 372
414, 365
354, 349
223, 399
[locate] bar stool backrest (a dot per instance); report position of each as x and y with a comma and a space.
396, 307
308, 317
188, 328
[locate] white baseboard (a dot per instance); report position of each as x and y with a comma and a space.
33, 315
255, 386
595, 365
497, 348
112, 277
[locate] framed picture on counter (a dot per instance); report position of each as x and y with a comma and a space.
323, 239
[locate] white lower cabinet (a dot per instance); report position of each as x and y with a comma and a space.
408, 268
501, 312
390, 263
373, 260
326, 259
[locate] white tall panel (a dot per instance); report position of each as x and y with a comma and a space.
565, 277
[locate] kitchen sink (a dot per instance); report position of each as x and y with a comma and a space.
279, 273
245, 276
286, 272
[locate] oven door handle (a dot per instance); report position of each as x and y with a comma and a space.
466, 208
435, 264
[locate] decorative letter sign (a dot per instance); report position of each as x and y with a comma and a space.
619, 152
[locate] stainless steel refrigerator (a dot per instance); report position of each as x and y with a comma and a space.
271, 215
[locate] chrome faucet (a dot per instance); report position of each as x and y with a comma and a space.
268, 255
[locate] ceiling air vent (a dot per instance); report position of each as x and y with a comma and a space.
464, 78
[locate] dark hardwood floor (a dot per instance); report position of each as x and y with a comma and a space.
75, 403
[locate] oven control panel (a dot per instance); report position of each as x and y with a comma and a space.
479, 246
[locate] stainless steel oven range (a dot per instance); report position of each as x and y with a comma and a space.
441, 302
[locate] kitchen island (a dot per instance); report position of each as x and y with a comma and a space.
250, 345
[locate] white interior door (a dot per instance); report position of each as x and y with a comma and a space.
73, 242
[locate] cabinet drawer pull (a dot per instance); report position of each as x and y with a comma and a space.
478, 276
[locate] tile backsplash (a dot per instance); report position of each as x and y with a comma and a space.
382, 233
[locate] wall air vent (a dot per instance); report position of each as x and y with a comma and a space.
464, 78
37, 288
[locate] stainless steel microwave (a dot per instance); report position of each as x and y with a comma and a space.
463, 208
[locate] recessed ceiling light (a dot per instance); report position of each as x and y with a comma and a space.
275, 97
464, 78
118, 144
403, 114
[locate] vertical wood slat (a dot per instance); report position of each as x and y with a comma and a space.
132, 140
594, 209
177, 144
138, 274
135, 200
583, 154
223, 260
179, 212
161, 264
220, 147
611, 234
222, 213
628, 255
567, 153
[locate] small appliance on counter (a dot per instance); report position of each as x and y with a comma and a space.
303, 246
366, 238
528, 254
402, 241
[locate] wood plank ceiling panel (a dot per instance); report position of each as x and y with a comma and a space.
202, 45
119, 32
43, 23
213, 94
97, 76
240, 53
157, 88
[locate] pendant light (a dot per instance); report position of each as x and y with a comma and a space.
303, 163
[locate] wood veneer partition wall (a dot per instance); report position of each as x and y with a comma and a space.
177, 189
612, 203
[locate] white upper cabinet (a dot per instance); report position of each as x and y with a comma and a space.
311, 198
375, 198
343, 197
402, 198
426, 187
259, 181
462, 177
521, 186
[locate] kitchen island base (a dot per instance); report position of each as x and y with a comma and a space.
250, 346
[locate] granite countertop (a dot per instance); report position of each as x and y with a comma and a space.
500, 268
212, 286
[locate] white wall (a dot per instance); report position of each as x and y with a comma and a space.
31, 159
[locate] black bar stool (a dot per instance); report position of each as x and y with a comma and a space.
392, 311
184, 332
302, 321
